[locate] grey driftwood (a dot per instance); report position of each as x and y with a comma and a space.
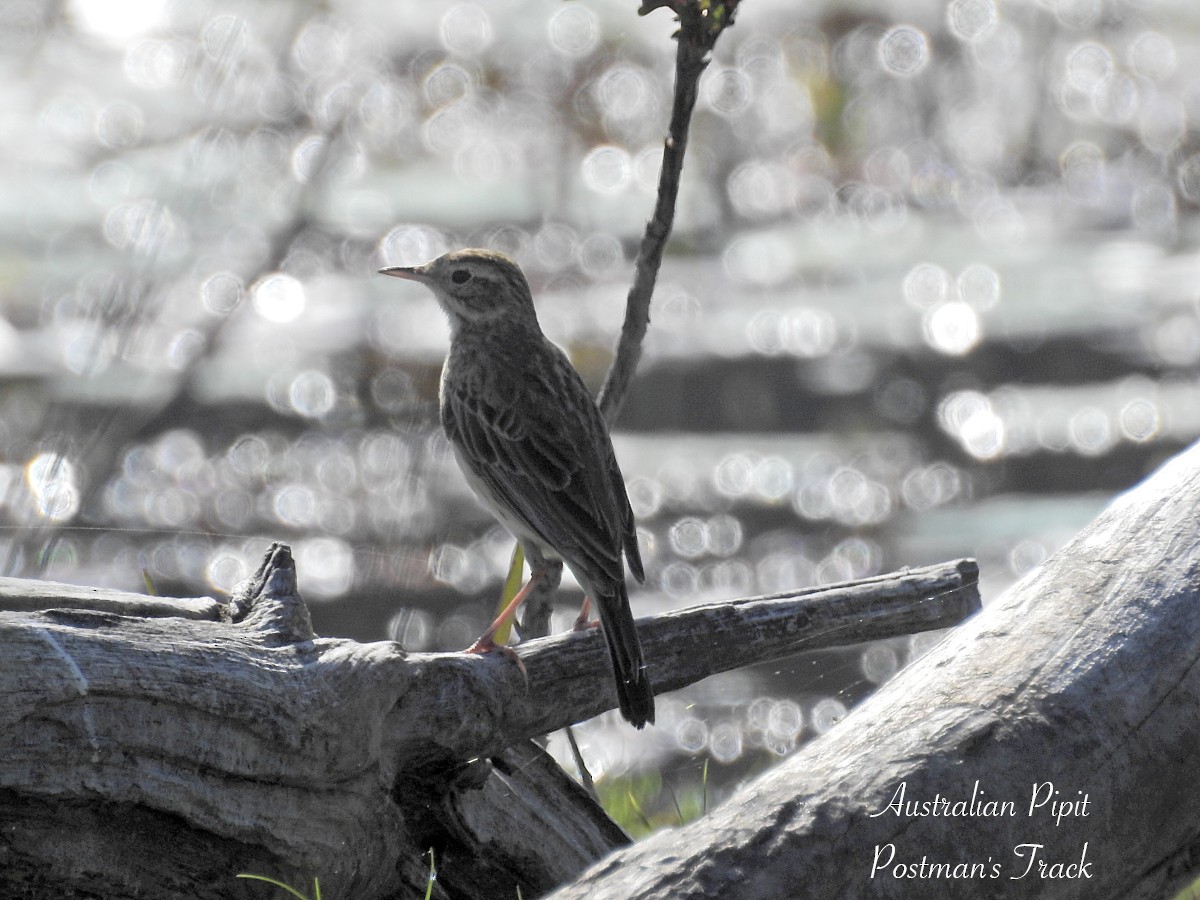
1085, 675
155, 748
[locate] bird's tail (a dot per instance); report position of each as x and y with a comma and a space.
634, 694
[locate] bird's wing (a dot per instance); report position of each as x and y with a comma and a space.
548, 463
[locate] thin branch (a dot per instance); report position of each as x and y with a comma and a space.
700, 24
28, 595
485, 703
585, 774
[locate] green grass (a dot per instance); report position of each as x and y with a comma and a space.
316, 895
512, 584
1191, 892
645, 803
432, 876
286, 887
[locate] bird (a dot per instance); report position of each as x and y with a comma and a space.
533, 446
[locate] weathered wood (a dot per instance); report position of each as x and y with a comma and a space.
524, 801
1085, 675
214, 746
190, 734
26, 595
567, 674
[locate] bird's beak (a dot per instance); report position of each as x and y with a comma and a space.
409, 273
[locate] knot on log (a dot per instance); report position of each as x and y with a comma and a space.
269, 601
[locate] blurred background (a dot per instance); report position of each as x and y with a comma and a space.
933, 292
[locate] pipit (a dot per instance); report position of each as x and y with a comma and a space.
534, 448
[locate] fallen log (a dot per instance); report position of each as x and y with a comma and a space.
154, 748
1047, 748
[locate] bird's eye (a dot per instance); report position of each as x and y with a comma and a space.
460, 276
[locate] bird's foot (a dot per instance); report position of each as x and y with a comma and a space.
487, 640
583, 621
487, 644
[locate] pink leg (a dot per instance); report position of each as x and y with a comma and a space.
487, 640
582, 622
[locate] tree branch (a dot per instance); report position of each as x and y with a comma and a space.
568, 676
241, 742
699, 28
27, 595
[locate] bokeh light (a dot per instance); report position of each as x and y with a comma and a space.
278, 298
52, 481
573, 30
904, 51
118, 21
971, 20
606, 169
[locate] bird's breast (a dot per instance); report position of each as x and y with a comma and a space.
496, 506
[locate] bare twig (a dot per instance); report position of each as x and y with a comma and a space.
585, 775
700, 24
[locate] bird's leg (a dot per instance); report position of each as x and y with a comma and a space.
487, 640
535, 613
583, 621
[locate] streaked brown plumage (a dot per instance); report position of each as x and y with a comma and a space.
533, 445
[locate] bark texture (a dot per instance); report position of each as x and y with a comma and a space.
153, 748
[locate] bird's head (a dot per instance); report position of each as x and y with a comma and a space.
473, 286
